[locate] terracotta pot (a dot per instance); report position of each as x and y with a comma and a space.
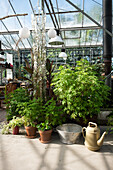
45, 136
31, 131
15, 130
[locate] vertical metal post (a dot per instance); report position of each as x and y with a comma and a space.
107, 39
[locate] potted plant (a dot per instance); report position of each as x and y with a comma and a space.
14, 124
31, 115
53, 115
45, 131
81, 92
30, 127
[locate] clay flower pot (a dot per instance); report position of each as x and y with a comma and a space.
15, 130
45, 136
31, 131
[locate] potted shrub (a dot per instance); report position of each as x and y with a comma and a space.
14, 124
53, 115
81, 92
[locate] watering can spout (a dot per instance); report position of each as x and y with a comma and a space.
100, 141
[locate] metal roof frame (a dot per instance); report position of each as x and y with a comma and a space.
18, 21
55, 20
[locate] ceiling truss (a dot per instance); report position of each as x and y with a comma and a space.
55, 20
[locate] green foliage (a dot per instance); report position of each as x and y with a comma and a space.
20, 95
99, 68
52, 115
31, 111
13, 99
50, 68
24, 73
110, 121
29, 76
16, 121
80, 90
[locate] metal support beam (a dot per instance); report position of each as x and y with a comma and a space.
19, 22
54, 13
4, 45
107, 39
50, 13
64, 12
8, 31
31, 6
8, 42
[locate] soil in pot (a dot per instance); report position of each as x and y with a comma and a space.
45, 136
15, 130
31, 132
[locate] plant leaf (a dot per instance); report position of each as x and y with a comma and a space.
27, 63
29, 70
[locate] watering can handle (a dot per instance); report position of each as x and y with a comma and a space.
91, 123
84, 131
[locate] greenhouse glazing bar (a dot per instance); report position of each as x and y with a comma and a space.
108, 32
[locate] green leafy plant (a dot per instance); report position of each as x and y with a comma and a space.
50, 68
110, 121
99, 69
29, 76
31, 111
80, 90
52, 115
16, 121
13, 100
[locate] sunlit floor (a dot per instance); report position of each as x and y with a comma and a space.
20, 153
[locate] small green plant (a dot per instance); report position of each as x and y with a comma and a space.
53, 115
80, 90
44, 126
16, 121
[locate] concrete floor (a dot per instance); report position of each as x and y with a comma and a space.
20, 153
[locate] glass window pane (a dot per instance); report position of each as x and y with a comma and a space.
71, 20
71, 34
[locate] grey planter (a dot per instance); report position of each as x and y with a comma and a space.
69, 133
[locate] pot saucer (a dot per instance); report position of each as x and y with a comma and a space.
44, 141
30, 137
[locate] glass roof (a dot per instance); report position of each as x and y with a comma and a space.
76, 29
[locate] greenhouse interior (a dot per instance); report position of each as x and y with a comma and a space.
56, 84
